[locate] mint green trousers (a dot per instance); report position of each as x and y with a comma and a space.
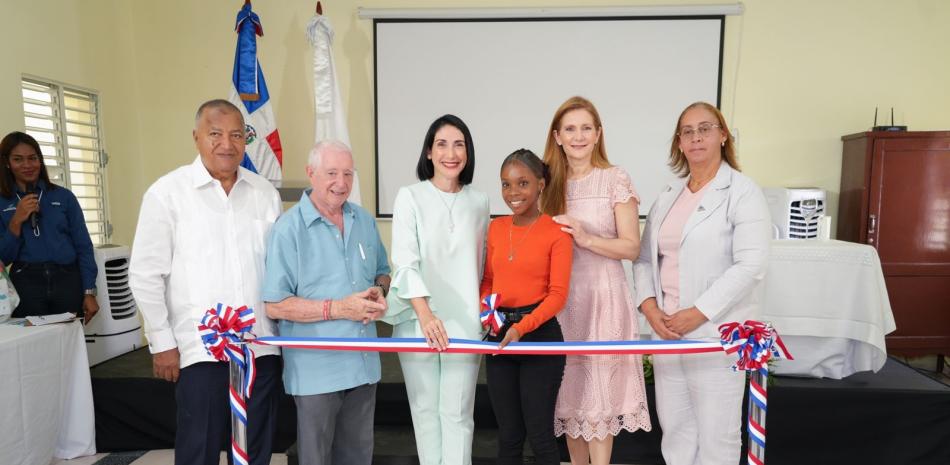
441, 390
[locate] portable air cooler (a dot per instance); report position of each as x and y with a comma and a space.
116, 329
796, 212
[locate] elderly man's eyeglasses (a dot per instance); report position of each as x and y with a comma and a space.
703, 130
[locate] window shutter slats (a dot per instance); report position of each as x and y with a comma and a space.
65, 121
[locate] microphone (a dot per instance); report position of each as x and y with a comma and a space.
34, 217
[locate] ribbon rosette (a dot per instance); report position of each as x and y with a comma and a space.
492, 319
222, 331
755, 342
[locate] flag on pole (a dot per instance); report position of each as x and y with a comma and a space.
263, 154
330, 121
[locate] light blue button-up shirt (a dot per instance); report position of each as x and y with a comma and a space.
308, 257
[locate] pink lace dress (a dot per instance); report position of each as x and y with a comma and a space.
600, 394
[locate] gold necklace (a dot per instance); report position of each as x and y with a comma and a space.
512, 247
701, 183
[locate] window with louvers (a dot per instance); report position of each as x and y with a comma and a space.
65, 121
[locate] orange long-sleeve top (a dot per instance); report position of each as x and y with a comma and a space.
539, 272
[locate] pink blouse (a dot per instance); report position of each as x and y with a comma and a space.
669, 240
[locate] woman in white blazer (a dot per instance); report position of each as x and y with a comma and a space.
702, 263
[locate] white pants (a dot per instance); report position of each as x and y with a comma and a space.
699, 403
441, 390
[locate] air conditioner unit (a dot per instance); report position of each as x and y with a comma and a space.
117, 328
796, 211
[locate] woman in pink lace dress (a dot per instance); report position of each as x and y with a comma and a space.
596, 203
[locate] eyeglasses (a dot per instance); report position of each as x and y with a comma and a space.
703, 130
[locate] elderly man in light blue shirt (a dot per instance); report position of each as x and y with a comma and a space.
326, 276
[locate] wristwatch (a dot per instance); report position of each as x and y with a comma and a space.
91, 291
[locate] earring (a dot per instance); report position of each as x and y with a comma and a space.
723, 144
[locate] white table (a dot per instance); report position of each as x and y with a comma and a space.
828, 302
45, 394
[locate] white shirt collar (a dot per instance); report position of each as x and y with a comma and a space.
201, 177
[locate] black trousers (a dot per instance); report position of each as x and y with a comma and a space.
204, 413
523, 391
46, 289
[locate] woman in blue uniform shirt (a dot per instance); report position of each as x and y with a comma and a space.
43, 235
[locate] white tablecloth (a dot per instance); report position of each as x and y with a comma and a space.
828, 302
45, 394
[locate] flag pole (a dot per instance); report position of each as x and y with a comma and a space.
238, 427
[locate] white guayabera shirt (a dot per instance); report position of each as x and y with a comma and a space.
196, 246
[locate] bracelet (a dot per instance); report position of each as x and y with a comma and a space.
383, 289
326, 310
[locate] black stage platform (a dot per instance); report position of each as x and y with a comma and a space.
896, 416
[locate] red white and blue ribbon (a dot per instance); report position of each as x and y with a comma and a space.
222, 332
238, 410
755, 343
469, 346
756, 422
491, 318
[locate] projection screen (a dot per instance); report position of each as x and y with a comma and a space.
505, 79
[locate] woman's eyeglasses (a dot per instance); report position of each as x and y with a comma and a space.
703, 130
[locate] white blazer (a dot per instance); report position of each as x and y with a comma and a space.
723, 253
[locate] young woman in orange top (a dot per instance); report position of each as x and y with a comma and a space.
529, 267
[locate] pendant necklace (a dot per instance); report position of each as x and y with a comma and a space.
447, 206
511, 246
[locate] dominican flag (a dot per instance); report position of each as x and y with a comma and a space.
263, 154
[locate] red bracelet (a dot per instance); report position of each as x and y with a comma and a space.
326, 310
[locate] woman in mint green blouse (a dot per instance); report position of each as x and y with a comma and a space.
439, 228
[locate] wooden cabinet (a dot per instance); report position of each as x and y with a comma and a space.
895, 196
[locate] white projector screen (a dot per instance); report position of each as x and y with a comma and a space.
505, 79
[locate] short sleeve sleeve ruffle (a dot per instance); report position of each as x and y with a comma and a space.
622, 188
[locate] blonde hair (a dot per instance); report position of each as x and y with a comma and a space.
678, 161
554, 197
